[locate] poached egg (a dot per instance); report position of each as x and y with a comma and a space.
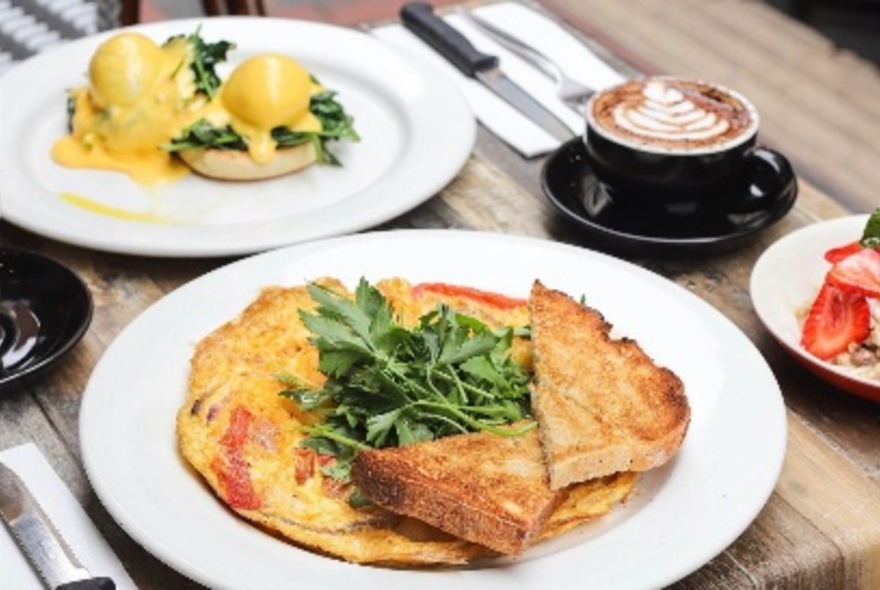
139, 96
264, 92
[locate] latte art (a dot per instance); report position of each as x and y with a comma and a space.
667, 114
673, 114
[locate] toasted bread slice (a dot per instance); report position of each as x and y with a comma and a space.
602, 404
481, 487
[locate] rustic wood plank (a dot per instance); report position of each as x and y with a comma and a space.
780, 545
758, 36
821, 527
476, 196
853, 526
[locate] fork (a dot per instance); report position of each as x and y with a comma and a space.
570, 91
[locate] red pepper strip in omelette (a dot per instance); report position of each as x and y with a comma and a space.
231, 467
493, 299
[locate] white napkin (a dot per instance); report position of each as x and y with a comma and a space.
68, 517
540, 32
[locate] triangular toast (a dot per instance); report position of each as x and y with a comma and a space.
602, 404
482, 487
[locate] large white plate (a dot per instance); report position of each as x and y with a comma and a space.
417, 132
679, 517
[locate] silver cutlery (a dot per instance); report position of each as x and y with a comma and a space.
419, 18
41, 543
570, 91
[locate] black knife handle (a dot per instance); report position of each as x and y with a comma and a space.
419, 18
90, 584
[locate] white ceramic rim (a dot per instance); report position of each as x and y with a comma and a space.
679, 517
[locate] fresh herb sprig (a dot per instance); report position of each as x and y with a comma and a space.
204, 59
336, 124
871, 234
390, 386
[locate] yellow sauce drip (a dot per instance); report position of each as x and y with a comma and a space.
93, 206
146, 168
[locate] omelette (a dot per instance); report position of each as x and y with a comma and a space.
243, 437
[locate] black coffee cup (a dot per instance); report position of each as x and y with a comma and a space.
672, 171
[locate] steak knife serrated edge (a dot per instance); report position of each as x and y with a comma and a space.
40, 541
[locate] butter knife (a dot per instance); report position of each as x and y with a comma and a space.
419, 18
40, 542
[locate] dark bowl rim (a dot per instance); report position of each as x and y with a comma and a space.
69, 337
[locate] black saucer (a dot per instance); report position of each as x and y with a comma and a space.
569, 183
44, 310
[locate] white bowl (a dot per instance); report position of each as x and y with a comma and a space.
787, 277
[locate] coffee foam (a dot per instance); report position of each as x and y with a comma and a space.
671, 115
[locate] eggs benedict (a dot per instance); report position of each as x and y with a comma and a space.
270, 118
155, 112
139, 97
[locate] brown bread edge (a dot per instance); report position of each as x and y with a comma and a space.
388, 486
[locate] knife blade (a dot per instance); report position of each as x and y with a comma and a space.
419, 18
40, 541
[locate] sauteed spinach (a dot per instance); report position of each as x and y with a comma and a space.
205, 57
335, 122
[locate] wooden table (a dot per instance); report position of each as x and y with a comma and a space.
820, 528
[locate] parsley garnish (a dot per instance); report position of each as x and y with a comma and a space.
390, 386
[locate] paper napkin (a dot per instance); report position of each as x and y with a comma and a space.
68, 517
540, 32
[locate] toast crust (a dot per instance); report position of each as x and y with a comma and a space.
603, 405
481, 487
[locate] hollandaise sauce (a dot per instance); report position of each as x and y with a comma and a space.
139, 97
262, 93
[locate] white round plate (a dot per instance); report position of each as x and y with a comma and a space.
416, 132
678, 518
787, 277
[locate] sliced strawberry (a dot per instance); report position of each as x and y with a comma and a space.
859, 272
837, 318
837, 254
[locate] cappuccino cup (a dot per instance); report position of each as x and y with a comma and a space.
681, 147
